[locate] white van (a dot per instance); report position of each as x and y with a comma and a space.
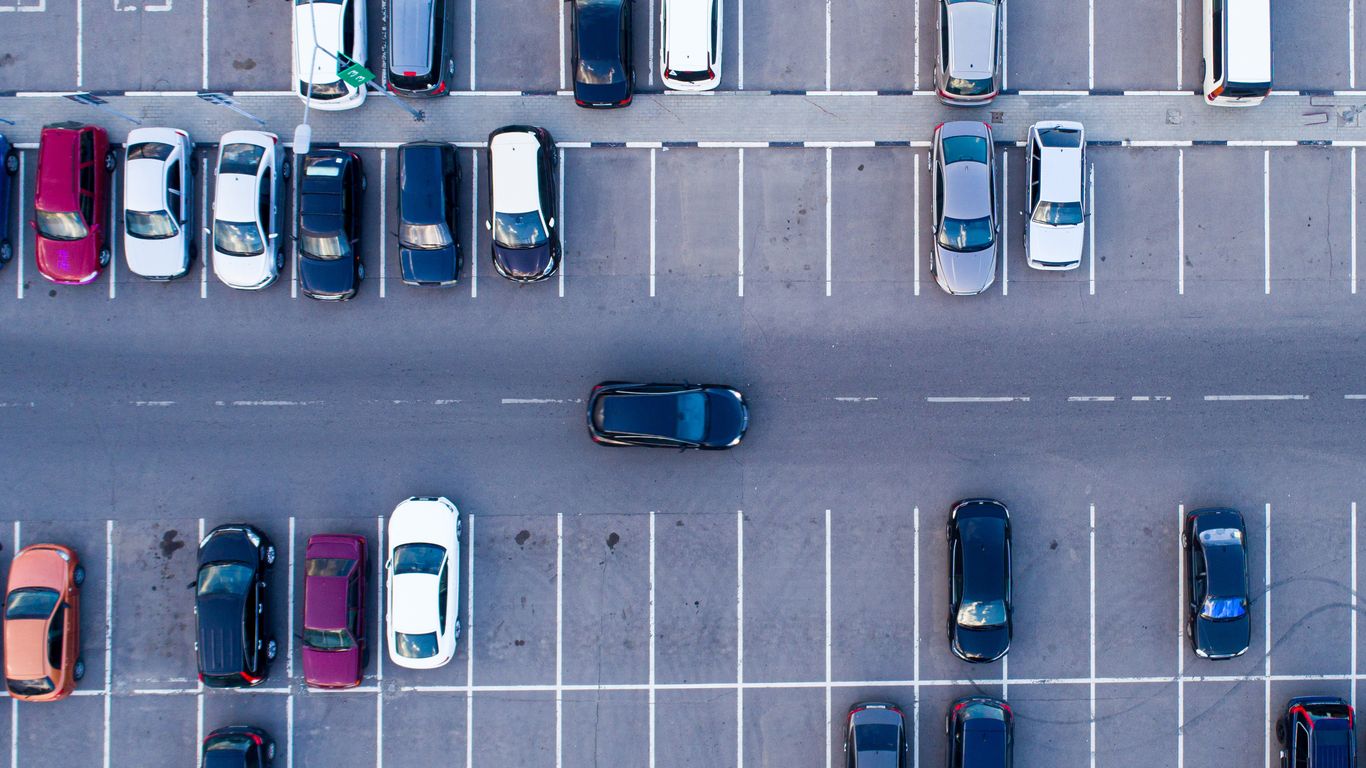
1236, 68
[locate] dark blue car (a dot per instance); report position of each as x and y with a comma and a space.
705, 416
428, 244
11, 167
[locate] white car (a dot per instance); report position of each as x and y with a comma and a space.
246, 210
322, 30
422, 582
1055, 199
690, 44
158, 199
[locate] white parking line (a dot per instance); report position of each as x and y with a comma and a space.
204, 249
1005, 678
14, 703
559, 639
1354, 602
1091, 561
383, 214
1352, 218
740, 227
80, 44
199, 685
915, 634
915, 215
562, 59
828, 186
564, 244
113, 229
1266, 218
1180, 641
473, 246
1180, 41
469, 648
109, 631
977, 399
1091, 230
1351, 43
474, 19
376, 632
651, 700
1005, 225
1180, 217
652, 213
1005, 44
19, 236
293, 251
740, 46
1266, 612
739, 638
1091, 83
1245, 398
827, 47
1091, 399
650, 45
289, 652
828, 721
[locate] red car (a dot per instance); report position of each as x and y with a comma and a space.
334, 610
71, 202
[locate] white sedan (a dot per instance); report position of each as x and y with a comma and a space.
422, 582
324, 29
246, 210
690, 44
158, 192
1055, 198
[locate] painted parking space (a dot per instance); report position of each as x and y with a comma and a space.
1224, 253
695, 608
537, 65
1136, 725
798, 30
1046, 46
516, 581
1050, 560
57, 65
877, 230
610, 188
872, 46
783, 624
249, 47
1311, 222
264, 710
785, 197
1310, 50
696, 729
873, 587
159, 48
1138, 253
605, 727
1119, 64
1310, 583
697, 185
606, 575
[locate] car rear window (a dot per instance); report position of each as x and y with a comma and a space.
415, 646
36, 687
30, 603
876, 737
965, 148
418, 558
224, 579
327, 639
240, 158
328, 566
149, 150
1223, 608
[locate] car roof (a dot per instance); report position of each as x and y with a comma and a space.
26, 648
687, 36
984, 743
317, 24
598, 22
652, 414
1225, 566
1060, 174
516, 172
422, 183
221, 627
58, 157
410, 35
325, 602
145, 185
972, 40
1249, 41
967, 190
984, 555
414, 603
320, 196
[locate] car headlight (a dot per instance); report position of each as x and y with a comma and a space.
1201, 653
255, 540
63, 555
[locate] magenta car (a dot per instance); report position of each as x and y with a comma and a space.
334, 610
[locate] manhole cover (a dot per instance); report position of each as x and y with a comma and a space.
1173, 117
998, 117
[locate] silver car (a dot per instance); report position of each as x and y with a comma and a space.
963, 218
967, 69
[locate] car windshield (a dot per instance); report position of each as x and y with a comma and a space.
1059, 136
327, 639
235, 742
328, 247
328, 566
519, 230
982, 614
418, 558
959, 149
60, 225
415, 646
1245, 90
237, 238
30, 603
149, 150
966, 234
36, 687
149, 225
1058, 214
424, 236
324, 91
1223, 608
600, 72
692, 417
876, 737
966, 86
241, 159
224, 579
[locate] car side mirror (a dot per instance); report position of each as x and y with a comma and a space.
274, 235
552, 221
207, 232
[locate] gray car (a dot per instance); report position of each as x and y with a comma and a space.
963, 219
967, 70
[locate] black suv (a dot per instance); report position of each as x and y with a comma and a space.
331, 185
981, 733
875, 736
1217, 619
420, 47
238, 746
980, 619
232, 644
1317, 732
428, 186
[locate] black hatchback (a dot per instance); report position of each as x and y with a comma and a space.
238, 746
1218, 621
980, 622
875, 736
331, 186
603, 75
981, 733
232, 642
706, 416
428, 183
420, 47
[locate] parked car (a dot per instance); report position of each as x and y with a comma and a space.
980, 621
706, 416
526, 242
158, 203
422, 617
233, 646
238, 746
690, 44
1317, 732
428, 189
246, 209
981, 733
1055, 195
601, 55
335, 641
421, 47
875, 736
324, 31
11, 160
43, 623
963, 217
967, 67
331, 188
1218, 619
1235, 62
71, 202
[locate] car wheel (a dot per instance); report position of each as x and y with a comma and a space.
110, 160
360, 271
11, 162
79, 670
270, 751
104, 257
79, 576
1280, 731
6, 252
272, 649
364, 183
1185, 541
459, 528
279, 260
269, 554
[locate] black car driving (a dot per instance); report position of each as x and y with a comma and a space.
329, 219
603, 75
428, 182
981, 733
980, 622
875, 736
233, 644
705, 416
1218, 622
238, 746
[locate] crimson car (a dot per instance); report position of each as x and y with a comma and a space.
334, 610
71, 202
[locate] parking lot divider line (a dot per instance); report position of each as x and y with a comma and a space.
113, 230
1005, 45
383, 215
14, 727
828, 204
1091, 208
562, 59
1354, 605
652, 216
740, 226
564, 242
1180, 642
652, 639
469, 647
740, 45
650, 45
739, 638
1266, 611
559, 638
1091, 563
109, 631
915, 76
378, 643
915, 624
473, 246
1180, 221
1352, 216
204, 47
1266, 219
1005, 224
204, 246
829, 723
1180, 41
80, 45
289, 621
289, 727
1351, 43
828, 13
1091, 49
19, 228
294, 248
474, 23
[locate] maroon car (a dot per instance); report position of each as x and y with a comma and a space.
334, 610
71, 202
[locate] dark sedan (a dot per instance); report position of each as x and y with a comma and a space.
329, 218
603, 75
11, 160
875, 736
980, 622
238, 746
981, 733
428, 182
334, 610
1217, 619
232, 643
706, 416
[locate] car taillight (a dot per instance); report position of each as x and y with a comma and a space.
409, 74
624, 101
256, 739
440, 88
1214, 93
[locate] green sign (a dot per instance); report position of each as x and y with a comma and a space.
353, 73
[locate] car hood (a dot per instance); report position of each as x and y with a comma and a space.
727, 417
165, 257
523, 263
428, 265
982, 644
1056, 244
969, 272
1224, 638
242, 271
330, 277
229, 546
330, 668
69, 261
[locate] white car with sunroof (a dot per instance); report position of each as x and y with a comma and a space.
422, 582
1055, 198
690, 44
158, 202
324, 29
246, 211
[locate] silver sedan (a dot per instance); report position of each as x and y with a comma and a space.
963, 219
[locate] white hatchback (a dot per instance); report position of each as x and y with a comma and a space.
246, 211
323, 29
158, 201
1055, 198
422, 582
690, 44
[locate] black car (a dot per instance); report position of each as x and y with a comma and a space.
603, 75
523, 199
875, 736
1317, 732
420, 47
238, 746
980, 623
329, 216
1218, 622
232, 641
706, 416
428, 182
11, 160
981, 733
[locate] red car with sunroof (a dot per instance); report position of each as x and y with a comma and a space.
71, 202
334, 610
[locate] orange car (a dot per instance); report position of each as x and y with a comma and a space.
43, 623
